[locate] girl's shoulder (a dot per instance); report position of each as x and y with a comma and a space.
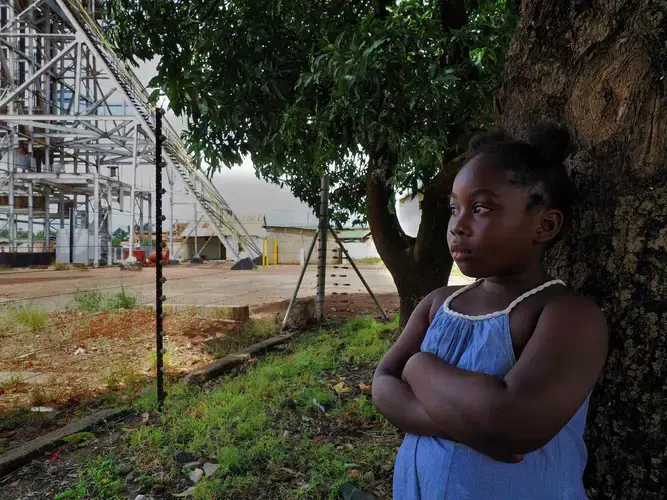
438, 297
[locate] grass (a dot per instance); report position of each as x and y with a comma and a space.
99, 479
29, 316
267, 423
61, 266
123, 377
93, 301
456, 271
370, 260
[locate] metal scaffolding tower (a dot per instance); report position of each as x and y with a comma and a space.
76, 125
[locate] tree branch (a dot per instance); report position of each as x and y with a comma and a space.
393, 245
432, 236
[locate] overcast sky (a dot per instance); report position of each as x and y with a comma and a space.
243, 191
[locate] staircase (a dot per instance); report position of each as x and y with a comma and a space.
209, 199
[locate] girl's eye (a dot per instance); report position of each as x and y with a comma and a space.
479, 209
454, 210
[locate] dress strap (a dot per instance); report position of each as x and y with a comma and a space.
505, 311
538, 289
460, 291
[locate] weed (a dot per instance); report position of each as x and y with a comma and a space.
94, 301
46, 394
29, 316
123, 376
99, 480
168, 358
61, 266
256, 329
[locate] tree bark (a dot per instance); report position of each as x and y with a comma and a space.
600, 68
417, 265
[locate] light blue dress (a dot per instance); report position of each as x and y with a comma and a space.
429, 468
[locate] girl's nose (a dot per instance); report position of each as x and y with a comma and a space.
460, 227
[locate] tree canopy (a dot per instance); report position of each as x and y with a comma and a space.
308, 87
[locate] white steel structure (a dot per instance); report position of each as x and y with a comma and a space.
76, 125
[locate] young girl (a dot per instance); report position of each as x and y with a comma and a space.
491, 381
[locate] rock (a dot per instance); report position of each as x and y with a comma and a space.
302, 315
124, 469
350, 492
143, 497
196, 475
184, 457
369, 477
210, 469
193, 465
244, 265
354, 474
189, 492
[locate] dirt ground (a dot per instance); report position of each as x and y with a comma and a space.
211, 283
84, 361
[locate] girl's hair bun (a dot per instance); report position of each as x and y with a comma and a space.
552, 141
485, 142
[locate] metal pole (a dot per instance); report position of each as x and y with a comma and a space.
96, 220
62, 210
354, 266
47, 220
171, 213
298, 283
196, 236
71, 231
150, 224
30, 217
109, 225
141, 220
159, 279
12, 227
133, 194
322, 251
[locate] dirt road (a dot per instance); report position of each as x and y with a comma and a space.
212, 283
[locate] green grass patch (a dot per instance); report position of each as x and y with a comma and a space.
93, 301
269, 420
99, 479
28, 316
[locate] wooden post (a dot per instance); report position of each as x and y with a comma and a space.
322, 250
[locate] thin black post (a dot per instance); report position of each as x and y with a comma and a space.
159, 279
322, 256
71, 232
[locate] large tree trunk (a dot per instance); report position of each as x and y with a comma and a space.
600, 68
418, 265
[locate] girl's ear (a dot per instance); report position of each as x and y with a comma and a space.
550, 222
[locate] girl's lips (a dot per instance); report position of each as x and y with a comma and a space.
459, 253
459, 256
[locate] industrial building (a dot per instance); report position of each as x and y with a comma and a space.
77, 131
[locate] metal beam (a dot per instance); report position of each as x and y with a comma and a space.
36, 76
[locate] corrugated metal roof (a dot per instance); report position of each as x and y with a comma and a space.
353, 234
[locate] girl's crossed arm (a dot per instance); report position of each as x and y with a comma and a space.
532, 403
395, 399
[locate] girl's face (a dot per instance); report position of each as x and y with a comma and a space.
491, 231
